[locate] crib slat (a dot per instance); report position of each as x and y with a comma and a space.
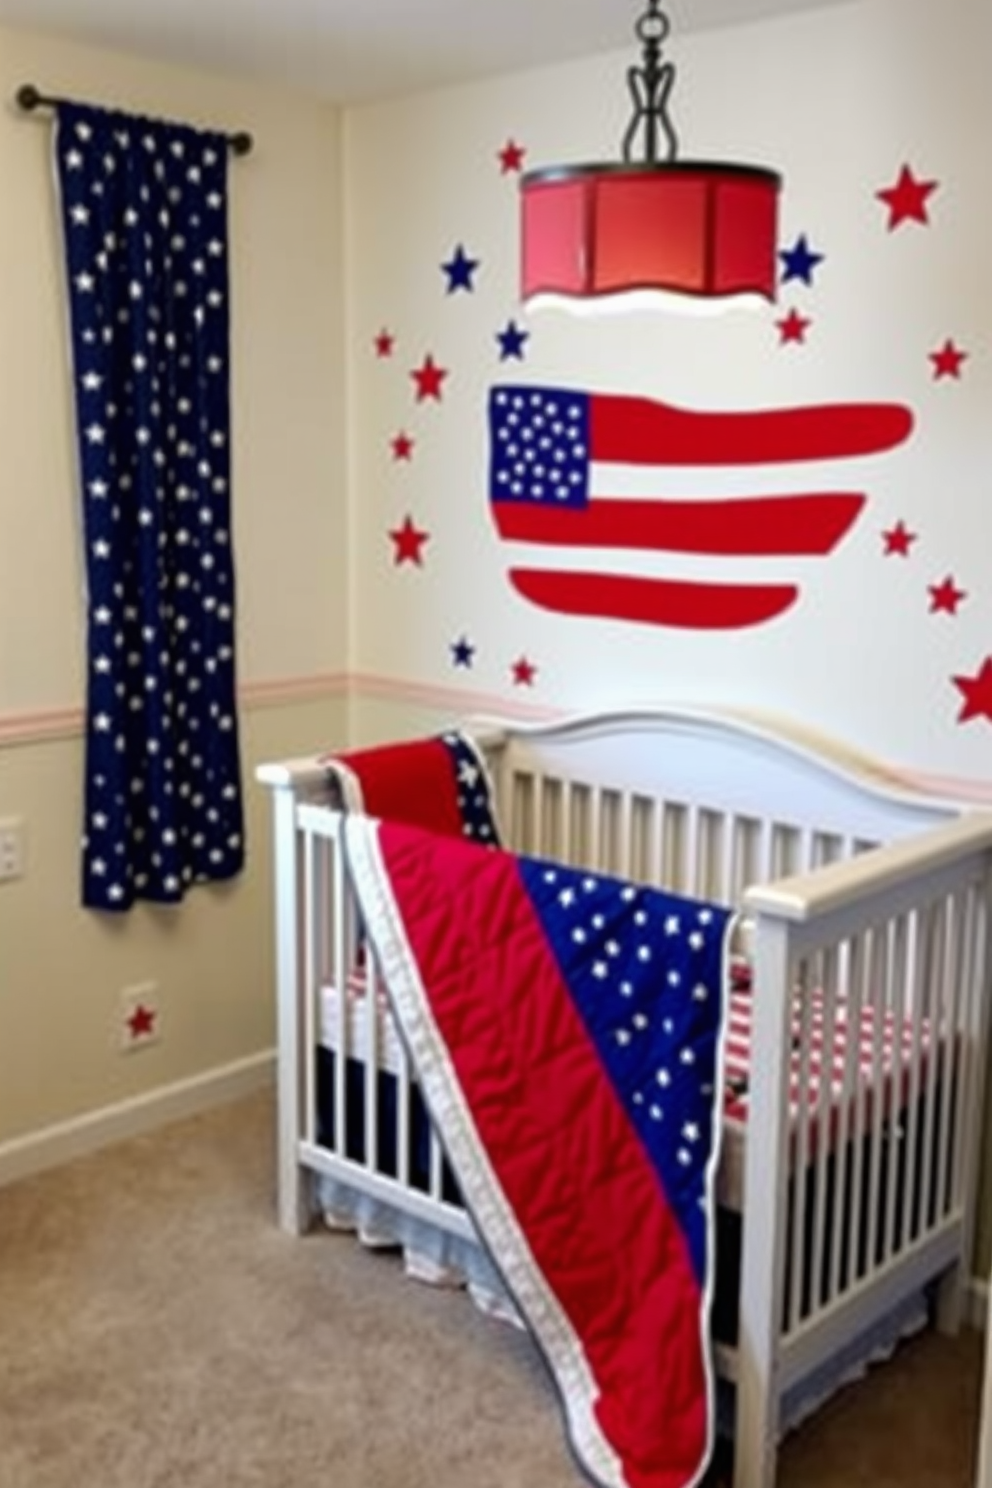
953, 983
895, 1008
765, 852
595, 828
404, 1096
915, 988
847, 1237
848, 1019
370, 1003
537, 844
726, 889
553, 797
625, 866
692, 855
881, 950
801, 1042
567, 838
931, 1019
660, 839
827, 983
436, 1175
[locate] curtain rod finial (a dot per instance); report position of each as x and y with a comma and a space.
28, 97
242, 143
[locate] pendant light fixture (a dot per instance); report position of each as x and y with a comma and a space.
703, 229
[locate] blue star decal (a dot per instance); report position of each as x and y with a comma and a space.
511, 341
799, 261
459, 270
462, 652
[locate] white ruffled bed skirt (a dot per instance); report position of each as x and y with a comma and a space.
441, 1259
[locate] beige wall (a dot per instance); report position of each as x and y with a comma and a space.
61, 969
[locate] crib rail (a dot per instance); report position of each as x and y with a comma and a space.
861, 1189
876, 1156
711, 852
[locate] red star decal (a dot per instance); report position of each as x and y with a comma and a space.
429, 377
402, 446
947, 361
511, 157
977, 693
408, 541
899, 540
946, 597
524, 672
793, 327
384, 344
907, 199
141, 1021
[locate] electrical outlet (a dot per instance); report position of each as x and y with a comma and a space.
139, 1017
11, 848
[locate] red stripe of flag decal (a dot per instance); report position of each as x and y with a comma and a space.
671, 602
640, 431
755, 526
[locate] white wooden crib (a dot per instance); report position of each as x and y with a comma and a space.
866, 909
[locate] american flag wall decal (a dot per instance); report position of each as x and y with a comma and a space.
559, 465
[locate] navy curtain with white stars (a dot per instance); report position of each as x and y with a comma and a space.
144, 209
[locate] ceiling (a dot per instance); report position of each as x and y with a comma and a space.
352, 51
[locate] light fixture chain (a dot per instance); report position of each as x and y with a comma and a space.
650, 85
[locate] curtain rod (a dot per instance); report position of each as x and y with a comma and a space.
29, 99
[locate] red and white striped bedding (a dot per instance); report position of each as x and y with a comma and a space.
885, 1047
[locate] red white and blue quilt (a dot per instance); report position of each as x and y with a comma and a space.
566, 1028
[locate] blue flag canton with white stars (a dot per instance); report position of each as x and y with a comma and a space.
646, 971
474, 796
539, 446
144, 207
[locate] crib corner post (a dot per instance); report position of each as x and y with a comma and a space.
293, 1181
951, 1295
949, 1301
765, 1196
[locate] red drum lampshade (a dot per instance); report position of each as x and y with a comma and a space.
691, 228
706, 229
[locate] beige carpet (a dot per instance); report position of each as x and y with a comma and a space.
158, 1331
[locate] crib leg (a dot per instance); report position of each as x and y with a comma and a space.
949, 1309
755, 1436
295, 1182
295, 1199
